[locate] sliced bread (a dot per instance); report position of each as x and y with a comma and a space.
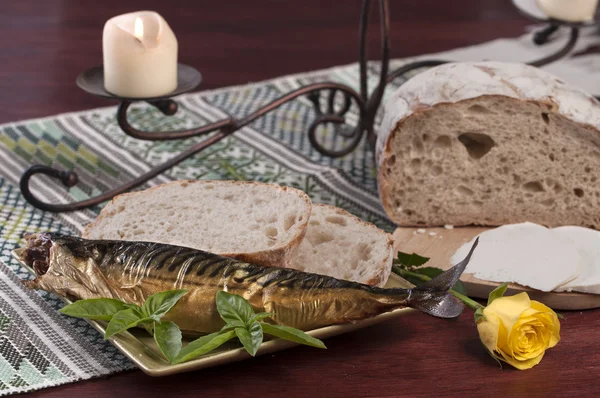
490, 143
250, 221
341, 245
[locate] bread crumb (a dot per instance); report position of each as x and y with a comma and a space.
432, 233
420, 231
448, 226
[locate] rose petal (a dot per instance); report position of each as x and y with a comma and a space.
509, 308
503, 340
533, 324
555, 328
488, 329
541, 307
522, 365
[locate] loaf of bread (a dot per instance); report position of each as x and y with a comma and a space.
254, 222
342, 245
490, 143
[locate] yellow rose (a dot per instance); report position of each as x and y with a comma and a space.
518, 330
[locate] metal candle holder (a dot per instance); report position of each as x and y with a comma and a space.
92, 81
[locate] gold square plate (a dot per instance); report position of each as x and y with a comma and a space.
140, 347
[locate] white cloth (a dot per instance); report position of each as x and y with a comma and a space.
582, 71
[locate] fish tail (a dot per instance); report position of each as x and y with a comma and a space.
433, 297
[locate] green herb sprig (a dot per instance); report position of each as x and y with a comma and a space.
410, 267
240, 321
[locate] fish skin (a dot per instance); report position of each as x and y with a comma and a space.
132, 271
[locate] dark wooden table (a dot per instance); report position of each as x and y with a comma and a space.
45, 44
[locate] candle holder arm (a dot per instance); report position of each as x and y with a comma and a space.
566, 49
544, 34
225, 128
168, 107
404, 69
541, 36
70, 179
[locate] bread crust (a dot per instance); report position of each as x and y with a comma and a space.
454, 82
277, 256
430, 91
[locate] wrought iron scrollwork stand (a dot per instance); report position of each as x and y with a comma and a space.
367, 110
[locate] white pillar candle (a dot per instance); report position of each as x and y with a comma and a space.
140, 55
569, 10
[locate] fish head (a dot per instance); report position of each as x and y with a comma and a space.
65, 265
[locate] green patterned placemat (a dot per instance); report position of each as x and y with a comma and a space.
40, 348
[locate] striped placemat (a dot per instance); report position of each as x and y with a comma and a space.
40, 348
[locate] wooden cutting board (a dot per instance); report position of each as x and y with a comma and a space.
440, 244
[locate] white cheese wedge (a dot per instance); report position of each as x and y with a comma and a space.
528, 254
587, 242
569, 10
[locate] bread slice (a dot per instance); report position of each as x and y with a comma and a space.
250, 221
490, 143
341, 245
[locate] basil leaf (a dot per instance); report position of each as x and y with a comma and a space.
251, 337
168, 338
431, 272
459, 287
149, 328
134, 307
203, 345
122, 321
234, 309
229, 327
259, 316
291, 334
159, 304
100, 309
497, 293
410, 260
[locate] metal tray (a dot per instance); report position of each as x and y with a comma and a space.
140, 347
